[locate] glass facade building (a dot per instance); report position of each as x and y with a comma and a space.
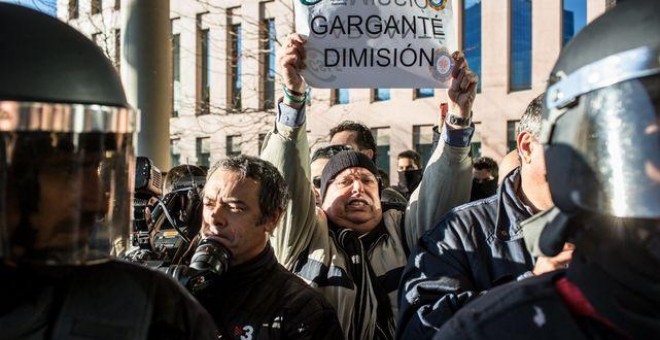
521, 45
574, 17
472, 35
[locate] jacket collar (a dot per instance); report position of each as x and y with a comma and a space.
252, 269
369, 239
510, 209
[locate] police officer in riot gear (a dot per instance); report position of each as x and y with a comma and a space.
602, 146
66, 154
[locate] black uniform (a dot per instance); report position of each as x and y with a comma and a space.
113, 300
602, 152
260, 299
598, 307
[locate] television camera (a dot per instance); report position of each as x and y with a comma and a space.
165, 228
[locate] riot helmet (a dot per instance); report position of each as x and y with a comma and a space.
66, 145
600, 123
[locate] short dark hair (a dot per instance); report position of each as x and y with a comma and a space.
328, 151
488, 164
273, 191
412, 154
365, 139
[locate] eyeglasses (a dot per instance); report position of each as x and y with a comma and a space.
348, 180
316, 181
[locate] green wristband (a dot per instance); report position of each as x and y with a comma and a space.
293, 98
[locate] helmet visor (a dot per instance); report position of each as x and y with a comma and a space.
64, 196
603, 154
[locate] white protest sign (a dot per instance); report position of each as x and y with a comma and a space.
377, 43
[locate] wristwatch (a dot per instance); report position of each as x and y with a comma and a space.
458, 121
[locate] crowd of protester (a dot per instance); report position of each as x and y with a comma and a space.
560, 240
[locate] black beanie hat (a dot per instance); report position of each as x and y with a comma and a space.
344, 160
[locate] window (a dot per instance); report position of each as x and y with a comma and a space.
203, 151
475, 145
423, 141
472, 35
574, 17
176, 74
382, 137
118, 50
339, 96
521, 45
233, 145
97, 5
205, 98
73, 9
175, 152
117, 4
381, 95
235, 66
268, 63
512, 134
423, 93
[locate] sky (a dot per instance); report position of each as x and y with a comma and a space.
46, 6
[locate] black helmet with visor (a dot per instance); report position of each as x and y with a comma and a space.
66, 145
600, 124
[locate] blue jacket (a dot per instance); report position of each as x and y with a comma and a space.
473, 248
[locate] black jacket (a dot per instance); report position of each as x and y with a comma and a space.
260, 299
530, 309
598, 306
113, 300
474, 247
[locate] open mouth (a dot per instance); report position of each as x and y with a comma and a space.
357, 203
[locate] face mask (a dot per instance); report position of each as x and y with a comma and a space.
483, 189
410, 179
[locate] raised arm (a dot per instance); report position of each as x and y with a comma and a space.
447, 177
286, 146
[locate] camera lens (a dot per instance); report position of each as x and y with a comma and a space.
210, 255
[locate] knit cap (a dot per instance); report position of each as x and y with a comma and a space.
342, 161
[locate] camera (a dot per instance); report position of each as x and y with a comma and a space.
164, 228
209, 261
148, 184
175, 220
